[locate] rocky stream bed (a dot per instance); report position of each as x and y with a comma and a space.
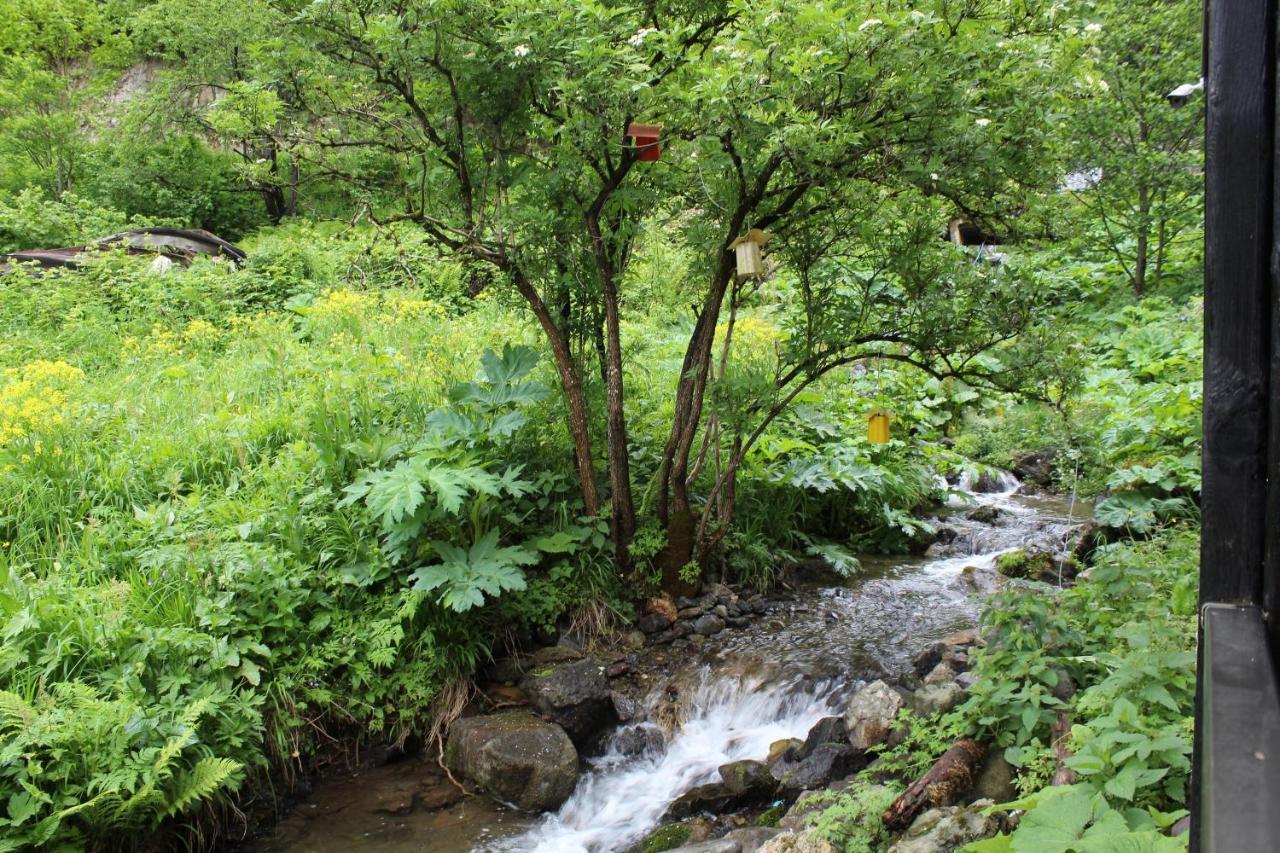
721, 707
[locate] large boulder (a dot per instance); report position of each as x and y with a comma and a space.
943, 830
516, 758
715, 797
826, 730
743, 783
870, 715
827, 763
749, 780
574, 696
1036, 467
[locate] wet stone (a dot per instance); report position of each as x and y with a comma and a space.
574, 695
748, 779
936, 698
871, 713
752, 838
827, 763
826, 730
708, 625
652, 623
515, 757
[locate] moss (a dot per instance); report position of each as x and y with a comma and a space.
772, 816
665, 838
1021, 564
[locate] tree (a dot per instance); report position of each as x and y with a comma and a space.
1144, 153
54, 57
233, 78
500, 129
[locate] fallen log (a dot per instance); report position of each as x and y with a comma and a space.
950, 777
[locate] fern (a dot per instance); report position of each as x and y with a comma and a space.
203, 780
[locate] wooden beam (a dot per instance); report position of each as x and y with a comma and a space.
1238, 222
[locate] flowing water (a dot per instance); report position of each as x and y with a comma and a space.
749, 688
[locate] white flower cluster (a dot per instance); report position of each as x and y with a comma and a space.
637, 40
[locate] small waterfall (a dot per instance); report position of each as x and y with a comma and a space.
730, 718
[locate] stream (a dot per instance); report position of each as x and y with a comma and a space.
729, 700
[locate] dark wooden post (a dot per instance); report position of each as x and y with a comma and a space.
1236, 773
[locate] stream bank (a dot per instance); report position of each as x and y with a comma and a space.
697, 702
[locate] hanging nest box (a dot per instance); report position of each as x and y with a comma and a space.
878, 426
645, 138
747, 251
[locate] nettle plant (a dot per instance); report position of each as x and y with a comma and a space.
417, 495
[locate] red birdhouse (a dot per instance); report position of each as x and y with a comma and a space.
645, 139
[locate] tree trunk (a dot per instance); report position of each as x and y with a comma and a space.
571, 384
674, 506
948, 779
624, 514
623, 518
1144, 239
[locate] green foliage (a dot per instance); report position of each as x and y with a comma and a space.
31, 221
1126, 638
852, 819
1078, 819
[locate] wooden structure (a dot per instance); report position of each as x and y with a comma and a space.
747, 254
645, 138
1236, 772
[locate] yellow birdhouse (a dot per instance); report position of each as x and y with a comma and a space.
878, 427
747, 251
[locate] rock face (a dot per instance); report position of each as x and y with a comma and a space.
574, 695
946, 829
870, 715
516, 758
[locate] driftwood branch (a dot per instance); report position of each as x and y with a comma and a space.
949, 778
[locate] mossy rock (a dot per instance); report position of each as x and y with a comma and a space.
770, 817
664, 838
1025, 565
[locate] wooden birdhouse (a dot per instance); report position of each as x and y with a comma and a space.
878, 427
747, 251
645, 138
